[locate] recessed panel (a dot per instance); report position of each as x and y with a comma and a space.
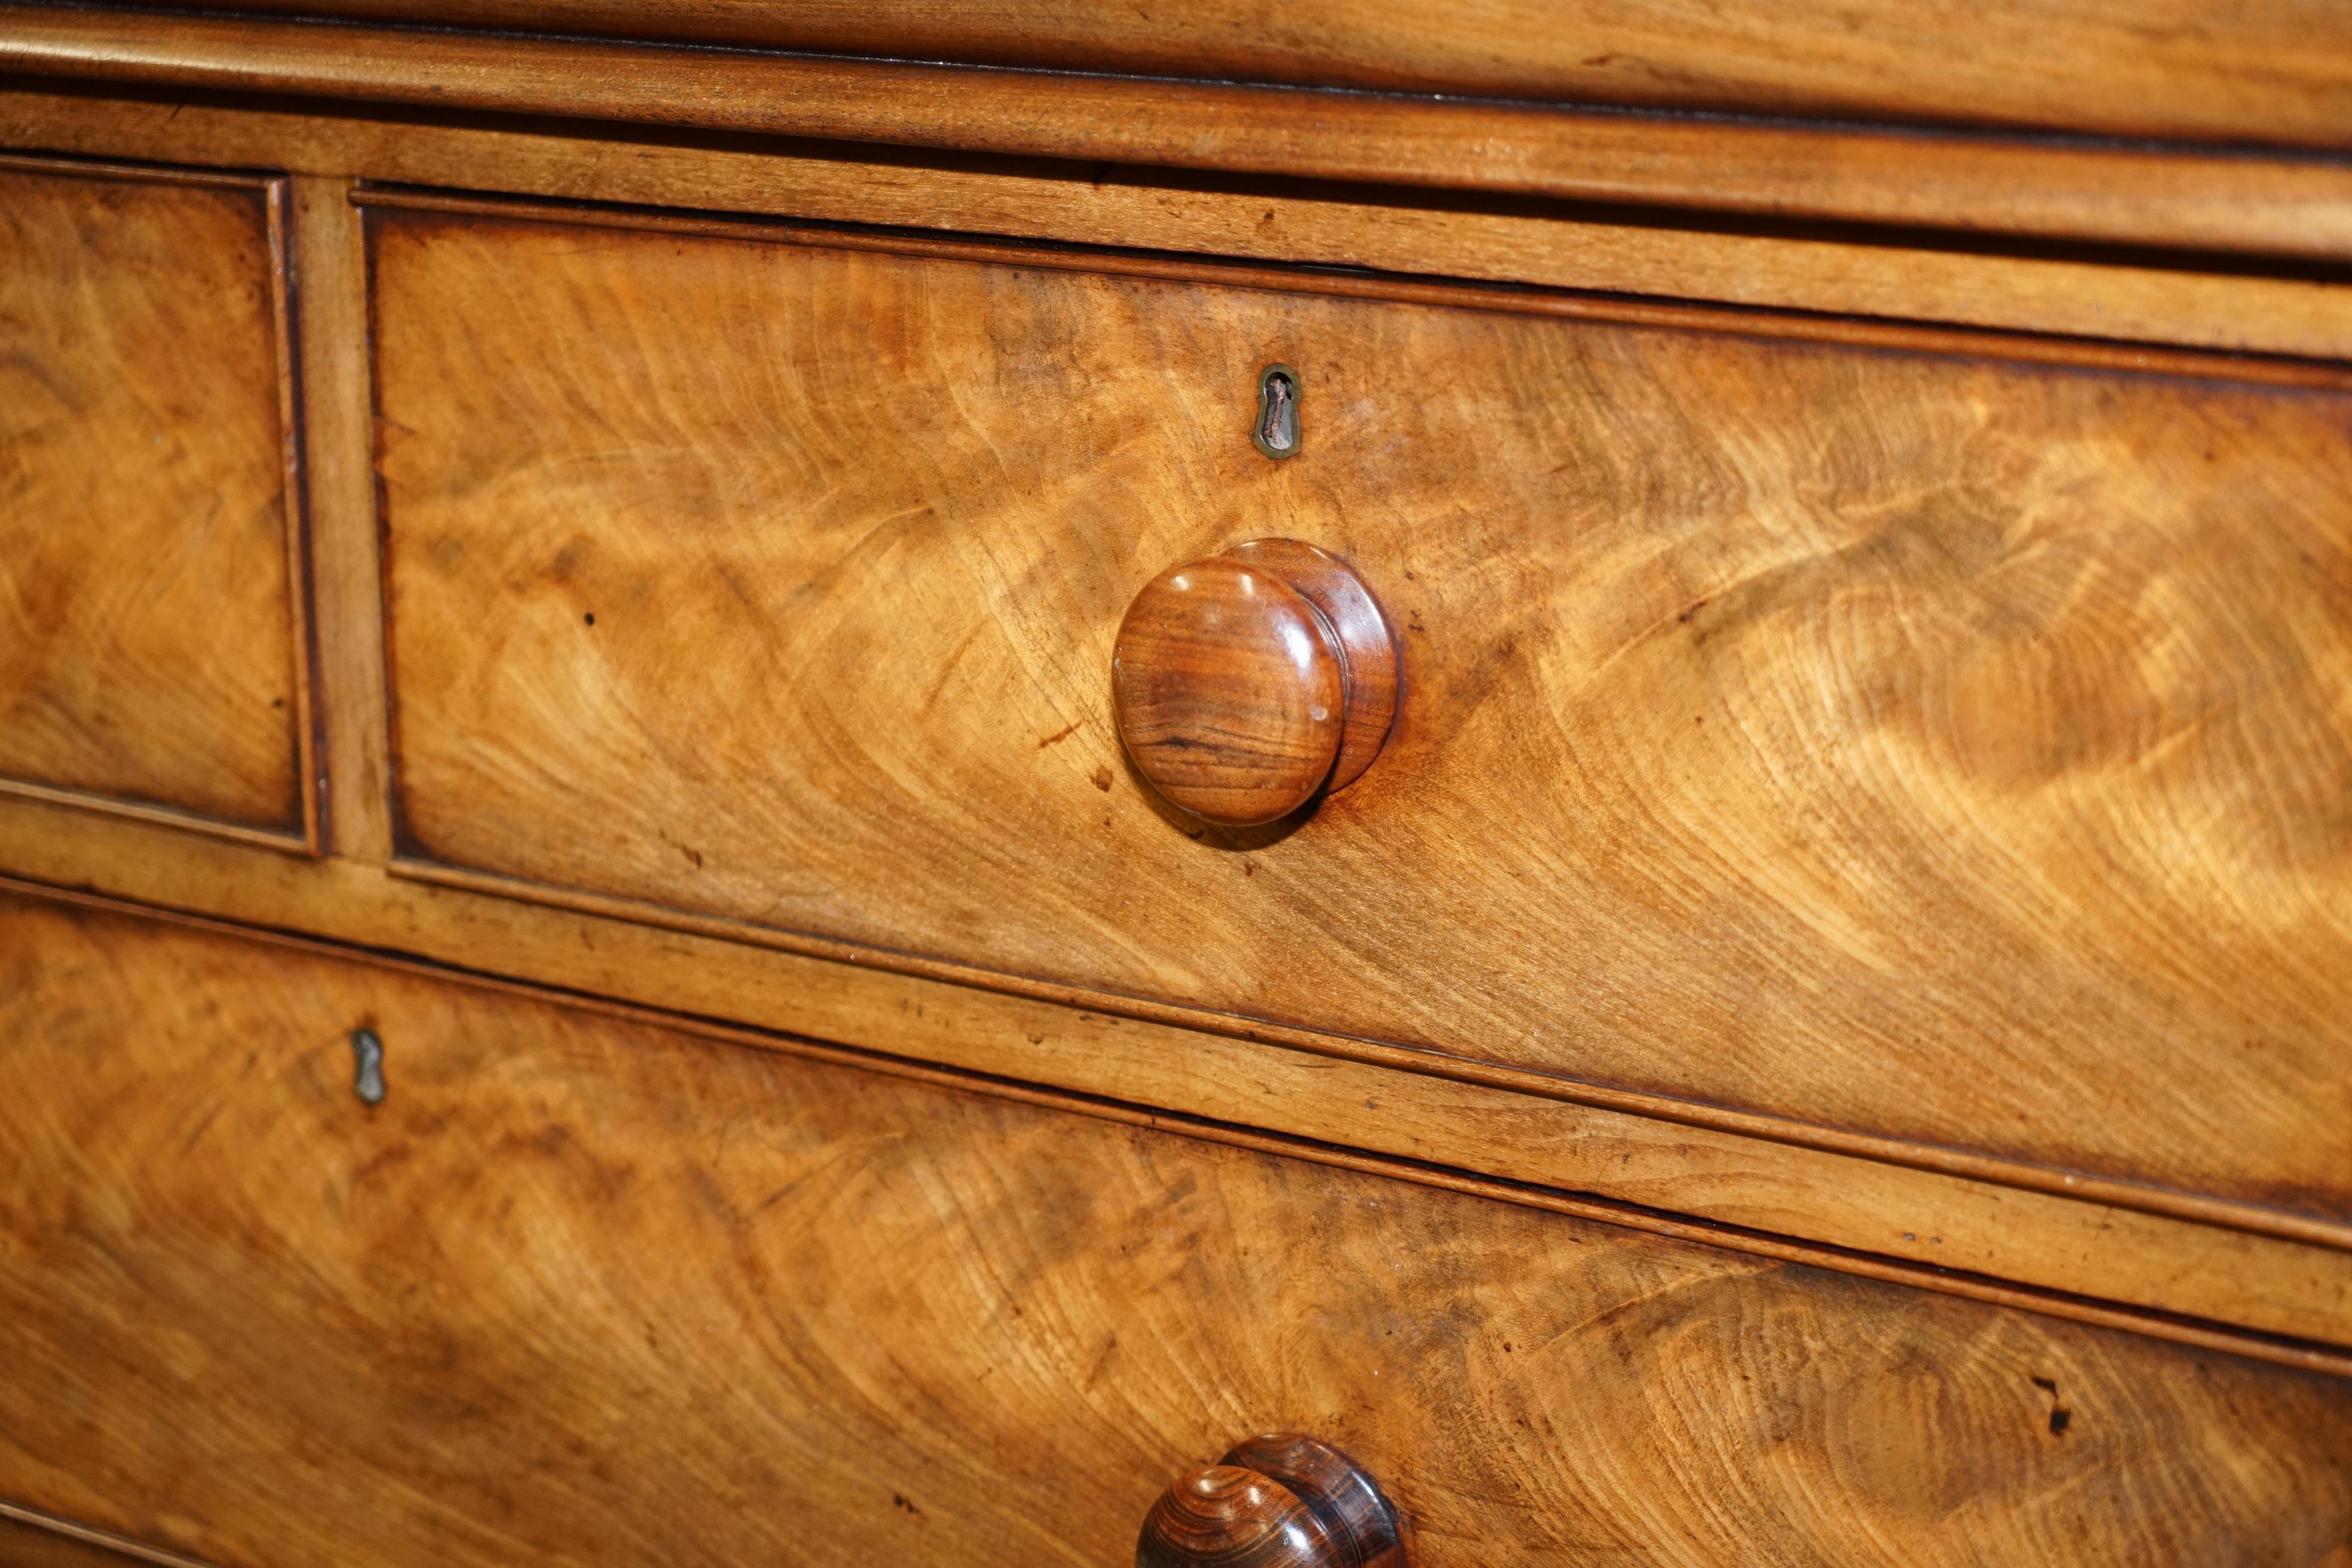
148, 635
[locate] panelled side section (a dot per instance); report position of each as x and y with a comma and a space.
155, 658
1946, 748
583, 1289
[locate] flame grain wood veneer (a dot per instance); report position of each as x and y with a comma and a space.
608, 954
151, 543
1841, 735
606, 1293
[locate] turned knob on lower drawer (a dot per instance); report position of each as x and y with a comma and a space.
1250, 682
1282, 1501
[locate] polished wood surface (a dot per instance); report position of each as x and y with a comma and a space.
22, 1546
339, 420
152, 655
2107, 195
29, 1539
1278, 1501
1840, 281
1227, 1516
1245, 685
612, 1293
1817, 733
1229, 692
2262, 70
1360, 1522
1822, 1034
2179, 1267
1367, 643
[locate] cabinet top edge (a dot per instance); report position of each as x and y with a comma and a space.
2034, 187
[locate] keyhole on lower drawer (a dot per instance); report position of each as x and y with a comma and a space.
1276, 434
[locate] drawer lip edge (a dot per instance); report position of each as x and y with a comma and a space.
290, 838
2116, 355
2277, 1348
1932, 178
89, 1535
2174, 1203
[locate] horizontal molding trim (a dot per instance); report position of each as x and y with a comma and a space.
2291, 207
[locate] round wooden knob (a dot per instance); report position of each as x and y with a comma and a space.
1250, 682
1279, 1501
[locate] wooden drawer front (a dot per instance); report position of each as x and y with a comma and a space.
581, 1290
150, 635
1956, 750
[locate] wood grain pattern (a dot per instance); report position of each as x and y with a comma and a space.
1943, 749
151, 631
29, 1539
2264, 71
579, 1291
1229, 691
1842, 281
339, 419
1280, 1499
2304, 313
2185, 1269
1348, 1502
1247, 685
1226, 1517
22, 1546
2132, 195
1368, 650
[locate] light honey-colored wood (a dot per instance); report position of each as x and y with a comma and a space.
1852, 738
2101, 193
339, 420
153, 651
2092, 1256
1732, 1144
1841, 281
607, 1293
2257, 70
2305, 309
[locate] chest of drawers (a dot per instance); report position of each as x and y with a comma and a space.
694, 868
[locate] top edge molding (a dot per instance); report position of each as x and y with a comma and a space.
1991, 187
2265, 72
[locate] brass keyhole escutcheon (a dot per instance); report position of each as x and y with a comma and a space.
1277, 433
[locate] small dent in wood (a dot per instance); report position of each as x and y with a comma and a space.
2060, 1417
